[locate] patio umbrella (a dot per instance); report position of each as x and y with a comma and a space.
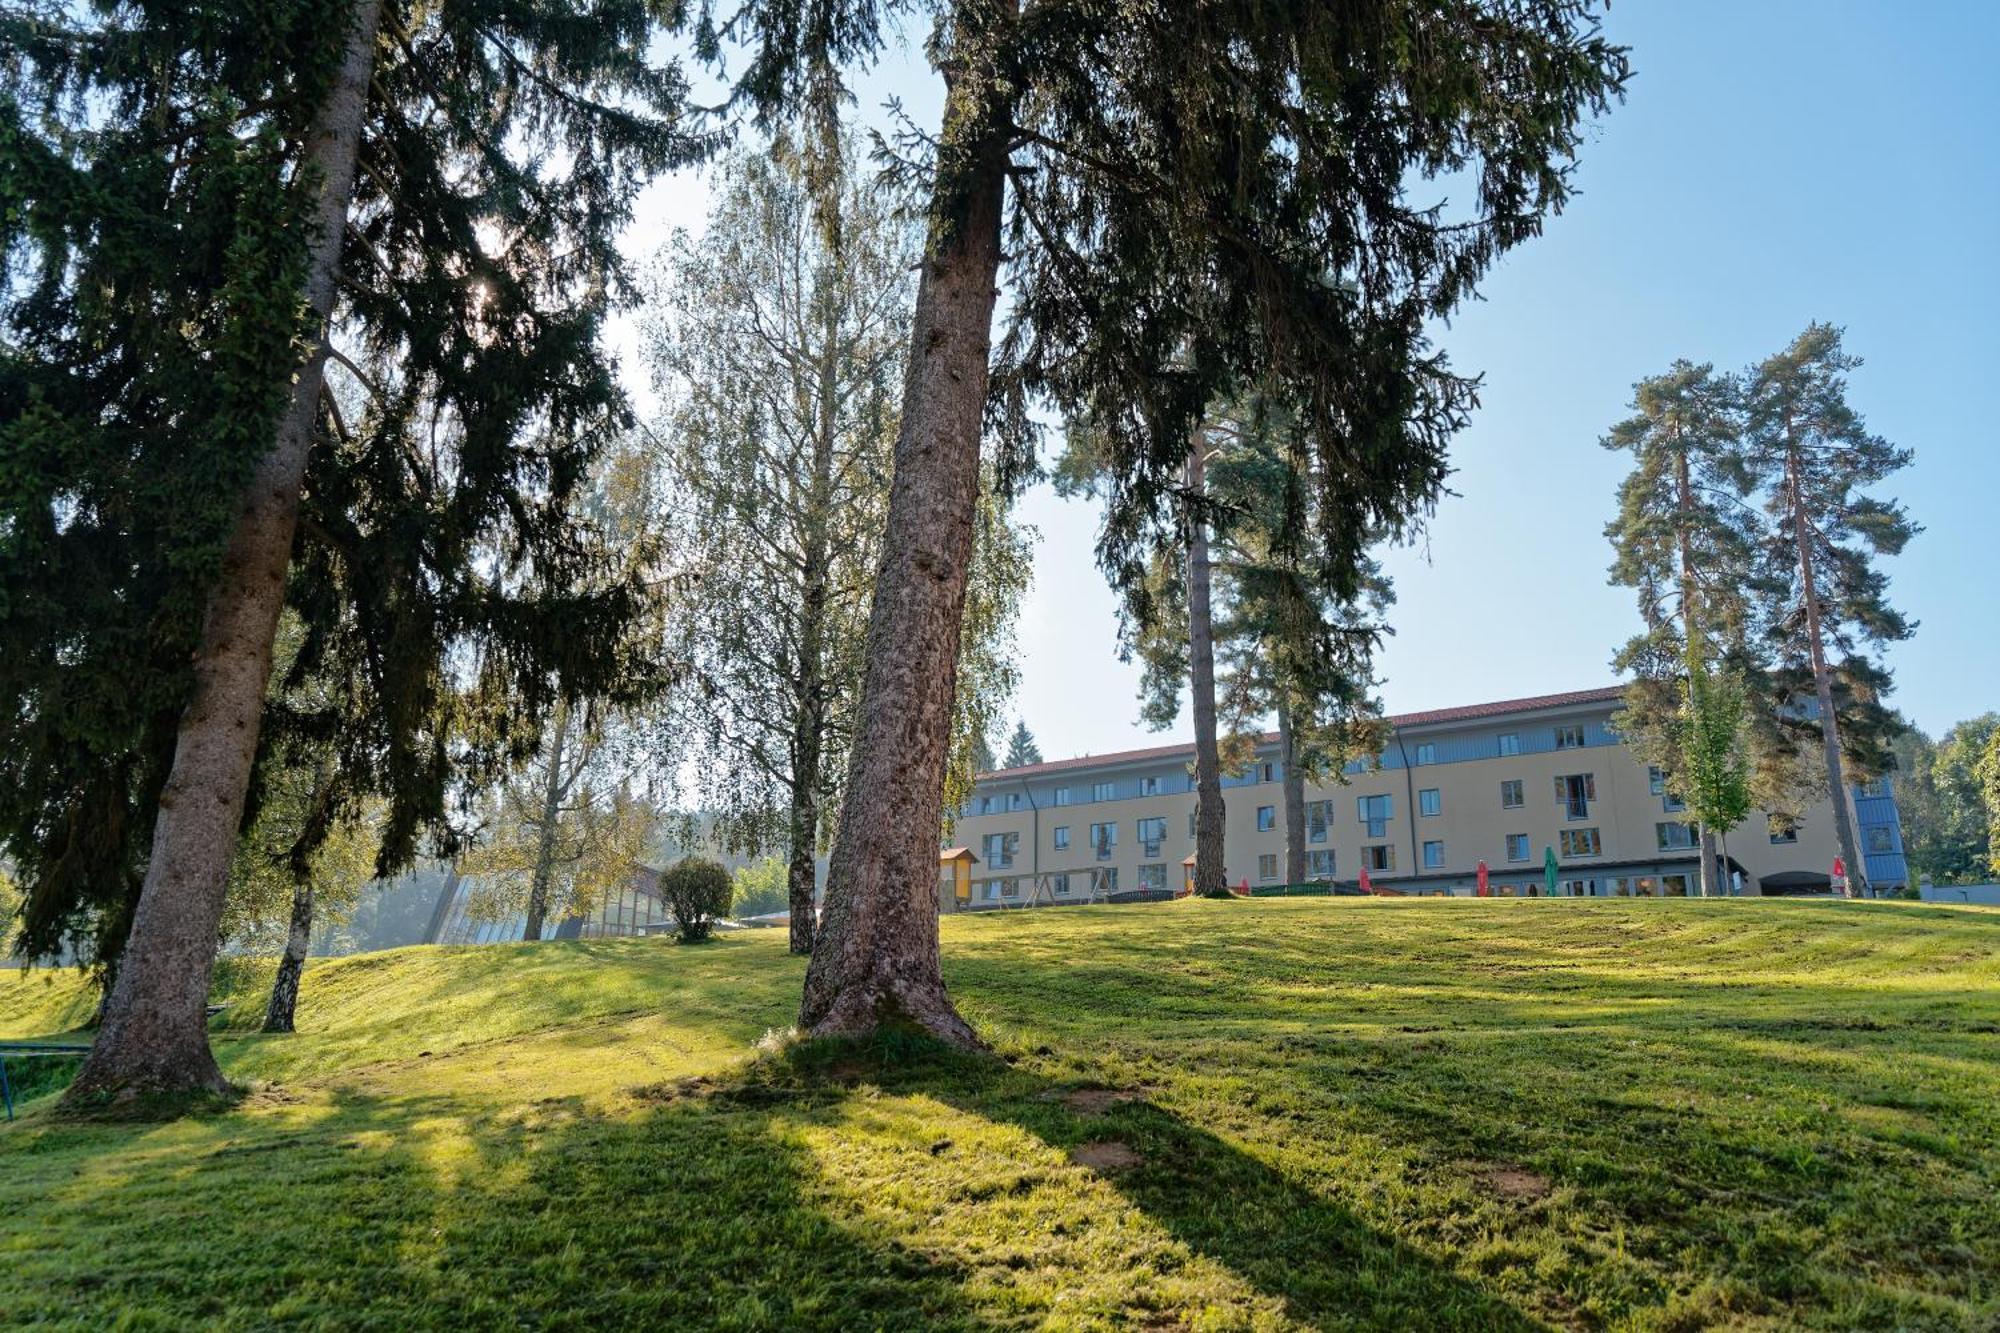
1483, 890
1366, 887
1549, 869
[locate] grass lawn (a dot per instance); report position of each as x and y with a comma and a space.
1479, 1114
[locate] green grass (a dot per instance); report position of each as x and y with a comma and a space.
1481, 1114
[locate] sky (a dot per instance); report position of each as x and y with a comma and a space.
1774, 163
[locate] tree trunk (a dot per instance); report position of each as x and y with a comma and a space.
1295, 798
1691, 632
279, 1015
545, 841
876, 963
155, 1034
1210, 877
1829, 726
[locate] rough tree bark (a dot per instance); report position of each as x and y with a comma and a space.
1684, 487
1829, 726
1295, 799
553, 793
281, 1014
155, 1033
1210, 876
875, 963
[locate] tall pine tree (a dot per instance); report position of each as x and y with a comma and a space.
424, 196
1816, 456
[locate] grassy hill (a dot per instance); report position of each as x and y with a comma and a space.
1501, 1113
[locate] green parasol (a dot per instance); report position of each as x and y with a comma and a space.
1549, 869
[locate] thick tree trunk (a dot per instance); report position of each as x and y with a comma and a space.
155, 1033
1210, 877
1295, 799
545, 842
1829, 725
280, 1014
876, 963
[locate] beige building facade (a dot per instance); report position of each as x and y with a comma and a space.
1501, 783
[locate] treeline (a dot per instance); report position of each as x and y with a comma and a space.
330, 540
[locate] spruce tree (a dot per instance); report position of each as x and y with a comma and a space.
1815, 456
1021, 748
426, 197
1686, 541
1184, 198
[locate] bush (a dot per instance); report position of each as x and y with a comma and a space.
696, 890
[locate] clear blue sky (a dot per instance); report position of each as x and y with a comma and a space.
1774, 163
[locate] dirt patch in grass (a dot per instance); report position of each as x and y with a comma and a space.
1108, 1155
1516, 1184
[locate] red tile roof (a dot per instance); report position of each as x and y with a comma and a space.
1431, 717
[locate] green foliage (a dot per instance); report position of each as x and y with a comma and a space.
760, 888
696, 890
10, 912
616, 1082
1713, 779
445, 583
1947, 818
1989, 788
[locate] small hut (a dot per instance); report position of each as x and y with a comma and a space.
955, 878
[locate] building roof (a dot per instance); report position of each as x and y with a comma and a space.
1431, 717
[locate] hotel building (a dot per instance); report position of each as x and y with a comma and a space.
1498, 782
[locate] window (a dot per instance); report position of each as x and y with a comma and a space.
1517, 847
1674, 836
1672, 803
1510, 795
1100, 791
1153, 877
1875, 787
1110, 880
1061, 842
1062, 795
1569, 738
1000, 849
1010, 888
1267, 866
1152, 832
1429, 802
1434, 856
1190, 823
1013, 800
1319, 865
1879, 839
1375, 812
986, 805
1060, 884
1656, 781
1319, 818
1103, 838
1267, 818
1427, 753
1267, 772
1783, 830
1149, 786
1574, 793
1510, 743
1581, 842
1381, 856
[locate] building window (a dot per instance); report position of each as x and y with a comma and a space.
1319, 865
1191, 823
1103, 840
1656, 780
1879, 839
1013, 800
1267, 772
1570, 738
1149, 786
1110, 879
1434, 856
1510, 795
1010, 888
1100, 791
1060, 884
1429, 802
1510, 743
1267, 818
1381, 856
1267, 866
1875, 787
1061, 842
1674, 836
1319, 819
1672, 803
1153, 877
1062, 795
986, 805
1427, 753
1783, 830
1152, 832
1000, 849
1581, 842
1375, 812
1517, 847
1574, 793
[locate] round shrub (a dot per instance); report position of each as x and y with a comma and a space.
696, 890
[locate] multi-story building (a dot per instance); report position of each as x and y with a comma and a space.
1498, 783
